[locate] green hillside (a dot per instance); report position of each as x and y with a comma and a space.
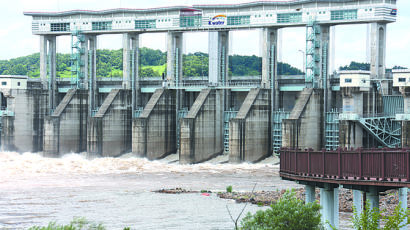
153, 64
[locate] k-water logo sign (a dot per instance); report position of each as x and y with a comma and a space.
218, 20
393, 12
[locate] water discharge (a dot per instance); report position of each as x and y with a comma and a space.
117, 191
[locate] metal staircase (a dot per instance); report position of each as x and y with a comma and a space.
181, 114
77, 75
228, 115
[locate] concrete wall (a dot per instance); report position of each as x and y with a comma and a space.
250, 131
154, 132
66, 128
109, 131
405, 134
350, 133
23, 132
201, 130
303, 128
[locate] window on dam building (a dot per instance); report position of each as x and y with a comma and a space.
102, 26
239, 20
290, 18
343, 14
145, 24
190, 21
60, 27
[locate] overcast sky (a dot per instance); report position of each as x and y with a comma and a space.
17, 40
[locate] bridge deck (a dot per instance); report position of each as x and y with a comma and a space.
361, 167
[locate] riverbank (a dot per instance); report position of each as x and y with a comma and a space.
388, 200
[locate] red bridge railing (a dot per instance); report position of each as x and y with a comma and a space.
343, 164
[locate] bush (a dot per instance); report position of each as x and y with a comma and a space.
76, 224
229, 188
370, 218
288, 213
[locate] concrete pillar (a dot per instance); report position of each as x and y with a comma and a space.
405, 126
83, 82
325, 54
92, 73
131, 66
174, 57
130, 49
351, 134
218, 57
201, 136
329, 199
403, 203
52, 62
48, 68
358, 201
372, 197
378, 50
269, 56
378, 63
310, 193
43, 61
249, 132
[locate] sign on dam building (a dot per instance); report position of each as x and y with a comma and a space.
247, 117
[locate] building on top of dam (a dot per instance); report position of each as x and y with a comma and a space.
257, 14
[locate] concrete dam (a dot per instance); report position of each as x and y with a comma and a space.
249, 117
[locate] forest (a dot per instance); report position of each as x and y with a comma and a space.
152, 62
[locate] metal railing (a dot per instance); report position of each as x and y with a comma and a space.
360, 165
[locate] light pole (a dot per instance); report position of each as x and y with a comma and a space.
304, 60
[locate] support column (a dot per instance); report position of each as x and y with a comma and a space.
131, 66
358, 201
378, 64
405, 124
269, 56
52, 63
92, 73
218, 57
174, 58
43, 61
48, 68
378, 50
351, 133
403, 203
329, 199
310, 193
84, 62
373, 197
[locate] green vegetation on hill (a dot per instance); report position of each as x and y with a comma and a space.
153, 63
364, 66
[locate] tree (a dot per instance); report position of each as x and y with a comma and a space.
356, 66
288, 213
19, 69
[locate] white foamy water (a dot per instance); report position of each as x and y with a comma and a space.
118, 191
12, 163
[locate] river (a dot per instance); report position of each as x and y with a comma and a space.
117, 192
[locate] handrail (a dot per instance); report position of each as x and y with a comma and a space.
358, 165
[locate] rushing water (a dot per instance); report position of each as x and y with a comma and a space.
118, 191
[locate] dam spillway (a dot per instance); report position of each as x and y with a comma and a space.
247, 117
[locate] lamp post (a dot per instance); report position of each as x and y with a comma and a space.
304, 60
